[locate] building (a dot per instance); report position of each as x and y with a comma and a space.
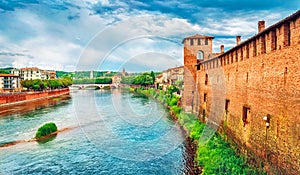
52, 75
33, 73
169, 77
116, 80
9, 83
251, 92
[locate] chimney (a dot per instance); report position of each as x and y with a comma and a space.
261, 26
238, 40
222, 48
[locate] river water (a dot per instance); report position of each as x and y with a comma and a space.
114, 132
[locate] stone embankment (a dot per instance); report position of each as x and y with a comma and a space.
15, 98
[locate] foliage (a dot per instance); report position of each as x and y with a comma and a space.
152, 74
4, 71
46, 129
171, 89
39, 85
106, 87
105, 80
84, 74
216, 156
143, 79
176, 110
128, 79
179, 83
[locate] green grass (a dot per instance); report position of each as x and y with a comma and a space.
45, 130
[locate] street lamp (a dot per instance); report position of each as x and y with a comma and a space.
267, 120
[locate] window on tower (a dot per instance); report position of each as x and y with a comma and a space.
192, 42
200, 55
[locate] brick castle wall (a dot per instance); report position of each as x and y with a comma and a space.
257, 78
11, 98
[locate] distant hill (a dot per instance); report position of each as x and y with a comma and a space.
5, 70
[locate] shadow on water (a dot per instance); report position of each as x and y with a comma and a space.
143, 99
47, 139
33, 107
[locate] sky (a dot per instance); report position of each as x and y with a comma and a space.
72, 35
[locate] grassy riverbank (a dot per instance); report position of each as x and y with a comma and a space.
215, 156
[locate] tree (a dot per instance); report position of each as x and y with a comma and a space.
153, 76
171, 89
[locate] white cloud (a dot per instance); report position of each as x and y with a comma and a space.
51, 40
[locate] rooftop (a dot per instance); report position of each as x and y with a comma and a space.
30, 68
197, 36
8, 75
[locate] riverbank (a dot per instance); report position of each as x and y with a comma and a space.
24, 97
216, 156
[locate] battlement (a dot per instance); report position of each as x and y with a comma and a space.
259, 77
283, 34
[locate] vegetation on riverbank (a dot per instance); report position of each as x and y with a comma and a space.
85, 74
39, 85
45, 130
214, 157
143, 79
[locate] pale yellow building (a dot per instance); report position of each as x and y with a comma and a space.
9, 83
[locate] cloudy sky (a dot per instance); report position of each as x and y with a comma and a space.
111, 34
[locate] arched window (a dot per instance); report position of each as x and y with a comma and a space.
200, 55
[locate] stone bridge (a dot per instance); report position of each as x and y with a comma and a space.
84, 86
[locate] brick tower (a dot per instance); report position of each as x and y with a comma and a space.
197, 48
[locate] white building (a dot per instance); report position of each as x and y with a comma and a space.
33, 73
9, 82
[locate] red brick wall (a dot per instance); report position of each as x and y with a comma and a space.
28, 96
265, 83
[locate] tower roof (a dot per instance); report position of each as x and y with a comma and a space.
196, 36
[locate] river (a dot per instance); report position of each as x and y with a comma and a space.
114, 132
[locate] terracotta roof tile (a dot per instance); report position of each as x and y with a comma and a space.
8, 75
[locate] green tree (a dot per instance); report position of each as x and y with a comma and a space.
171, 89
153, 76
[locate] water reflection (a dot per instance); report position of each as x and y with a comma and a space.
47, 139
21, 108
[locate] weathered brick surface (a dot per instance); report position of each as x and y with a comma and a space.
11, 98
262, 75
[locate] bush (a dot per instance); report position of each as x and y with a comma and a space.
176, 110
172, 101
45, 130
106, 87
217, 157
197, 129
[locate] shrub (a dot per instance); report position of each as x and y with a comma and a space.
172, 101
176, 110
45, 130
196, 130
106, 87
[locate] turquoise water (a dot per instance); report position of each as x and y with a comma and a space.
115, 133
